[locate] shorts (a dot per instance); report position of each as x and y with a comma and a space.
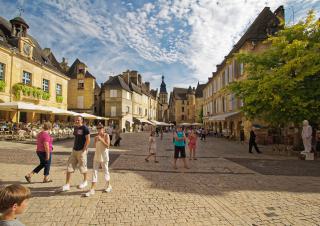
77, 159
179, 152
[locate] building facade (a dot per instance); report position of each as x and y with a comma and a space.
83, 90
128, 101
221, 110
182, 105
199, 103
28, 73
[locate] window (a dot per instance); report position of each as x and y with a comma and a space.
59, 90
127, 109
183, 102
113, 93
128, 95
182, 109
80, 84
145, 112
80, 102
241, 68
230, 73
226, 79
45, 85
182, 117
1, 71
113, 110
140, 111
26, 78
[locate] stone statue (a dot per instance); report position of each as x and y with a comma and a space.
306, 137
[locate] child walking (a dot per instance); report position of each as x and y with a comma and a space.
152, 147
13, 201
101, 157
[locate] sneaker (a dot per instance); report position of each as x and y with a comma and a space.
83, 185
66, 187
108, 189
91, 192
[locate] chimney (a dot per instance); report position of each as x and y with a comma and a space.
148, 85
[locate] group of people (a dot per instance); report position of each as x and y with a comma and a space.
180, 140
78, 157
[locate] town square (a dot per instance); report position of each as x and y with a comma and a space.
177, 112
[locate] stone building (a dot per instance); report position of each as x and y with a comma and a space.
163, 106
222, 110
182, 105
199, 102
28, 74
128, 101
83, 90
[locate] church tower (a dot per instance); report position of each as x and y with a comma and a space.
163, 113
163, 92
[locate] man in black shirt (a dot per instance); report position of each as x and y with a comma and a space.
78, 157
252, 141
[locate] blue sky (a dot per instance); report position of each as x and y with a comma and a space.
182, 39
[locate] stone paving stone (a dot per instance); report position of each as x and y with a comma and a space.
215, 191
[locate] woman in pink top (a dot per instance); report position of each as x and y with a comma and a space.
44, 152
192, 144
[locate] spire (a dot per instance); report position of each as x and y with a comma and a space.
163, 87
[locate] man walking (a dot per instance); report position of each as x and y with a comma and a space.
78, 157
252, 142
179, 147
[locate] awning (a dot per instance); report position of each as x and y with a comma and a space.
185, 124
196, 124
101, 118
88, 116
223, 117
22, 106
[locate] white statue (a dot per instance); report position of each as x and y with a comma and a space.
306, 137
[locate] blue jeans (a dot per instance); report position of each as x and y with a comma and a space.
43, 163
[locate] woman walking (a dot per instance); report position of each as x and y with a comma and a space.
192, 144
152, 147
44, 152
101, 157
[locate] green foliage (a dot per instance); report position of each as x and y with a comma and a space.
59, 99
283, 81
201, 115
29, 91
45, 96
2, 85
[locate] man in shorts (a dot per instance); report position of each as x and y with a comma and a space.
78, 157
179, 147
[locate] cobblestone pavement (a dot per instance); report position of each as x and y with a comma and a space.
225, 186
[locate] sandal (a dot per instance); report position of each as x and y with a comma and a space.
156, 161
28, 178
47, 181
146, 160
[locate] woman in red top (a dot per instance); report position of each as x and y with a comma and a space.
44, 152
192, 144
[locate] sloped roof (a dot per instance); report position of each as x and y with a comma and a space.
72, 72
117, 82
41, 56
180, 93
135, 88
199, 90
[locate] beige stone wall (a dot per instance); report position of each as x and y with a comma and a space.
198, 107
15, 64
87, 93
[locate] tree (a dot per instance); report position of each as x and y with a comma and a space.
283, 82
201, 116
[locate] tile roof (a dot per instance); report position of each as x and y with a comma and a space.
72, 72
117, 82
41, 56
199, 90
